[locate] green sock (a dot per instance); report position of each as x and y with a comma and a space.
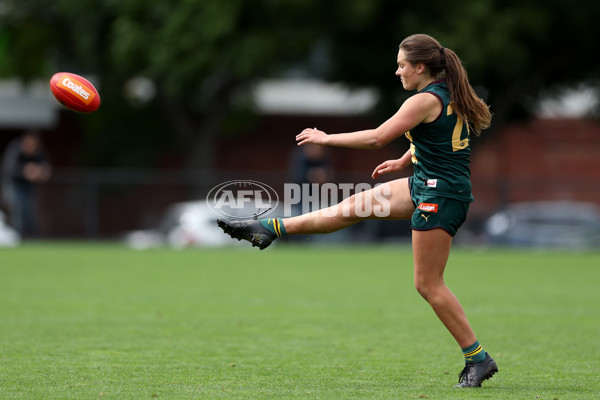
275, 225
474, 353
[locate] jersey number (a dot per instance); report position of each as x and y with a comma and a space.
412, 148
457, 142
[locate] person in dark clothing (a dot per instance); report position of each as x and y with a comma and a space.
23, 167
310, 164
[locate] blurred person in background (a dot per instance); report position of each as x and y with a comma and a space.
309, 164
24, 166
437, 121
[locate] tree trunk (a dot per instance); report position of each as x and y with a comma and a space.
199, 137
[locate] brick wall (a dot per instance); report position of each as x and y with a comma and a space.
549, 159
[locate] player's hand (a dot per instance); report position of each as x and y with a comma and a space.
387, 167
311, 135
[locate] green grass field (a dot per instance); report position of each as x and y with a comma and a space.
102, 321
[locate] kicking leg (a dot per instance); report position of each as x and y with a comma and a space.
390, 200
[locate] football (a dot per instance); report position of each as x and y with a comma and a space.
75, 92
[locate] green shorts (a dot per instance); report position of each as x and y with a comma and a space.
433, 211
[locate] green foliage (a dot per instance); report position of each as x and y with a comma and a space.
26, 42
201, 53
183, 43
127, 139
184, 46
89, 321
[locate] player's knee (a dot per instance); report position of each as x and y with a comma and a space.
426, 288
348, 206
422, 289
359, 206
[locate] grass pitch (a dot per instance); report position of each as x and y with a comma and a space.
103, 321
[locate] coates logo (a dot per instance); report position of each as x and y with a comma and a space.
77, 88
242, 199
428, 207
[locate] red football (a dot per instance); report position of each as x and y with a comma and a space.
75, 92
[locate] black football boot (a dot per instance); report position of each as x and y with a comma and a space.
250, 230
473, 374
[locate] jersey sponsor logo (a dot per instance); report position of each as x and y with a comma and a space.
431, 183
428, 207
77, 87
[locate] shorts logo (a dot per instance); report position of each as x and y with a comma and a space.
428, 207
431, 183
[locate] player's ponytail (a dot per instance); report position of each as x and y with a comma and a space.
466, 102
443, 62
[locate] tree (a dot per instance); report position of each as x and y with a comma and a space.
201, 54
512, 49
198, 54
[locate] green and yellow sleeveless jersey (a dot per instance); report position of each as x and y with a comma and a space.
441, 151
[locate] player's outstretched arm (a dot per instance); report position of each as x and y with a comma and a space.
418, 108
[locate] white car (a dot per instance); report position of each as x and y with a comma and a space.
8, 236
555, 224
184, 224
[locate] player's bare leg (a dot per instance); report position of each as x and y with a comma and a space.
390, 200
430, 251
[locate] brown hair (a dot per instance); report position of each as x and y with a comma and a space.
421, 48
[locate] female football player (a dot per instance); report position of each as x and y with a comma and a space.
437, 121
